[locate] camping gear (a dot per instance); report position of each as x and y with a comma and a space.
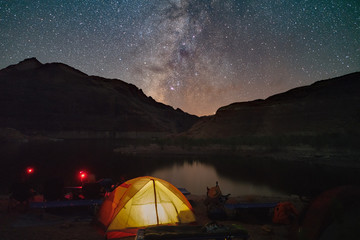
285, 213
209, 231
334, 214
184, 191
141, 202
251, 212
214, 203
107, 185
248, 205
66, 203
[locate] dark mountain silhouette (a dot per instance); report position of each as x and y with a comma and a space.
38, 98
57, 100
325, 107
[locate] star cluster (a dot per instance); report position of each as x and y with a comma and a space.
193, 55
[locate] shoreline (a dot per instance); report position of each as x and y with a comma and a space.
305, 154
41, 224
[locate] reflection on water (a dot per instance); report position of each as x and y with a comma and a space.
196, 176
237, 176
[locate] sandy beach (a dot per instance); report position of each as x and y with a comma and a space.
65, 224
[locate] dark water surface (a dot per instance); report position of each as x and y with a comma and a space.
238, 176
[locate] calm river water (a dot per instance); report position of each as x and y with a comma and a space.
196, 176
237, 176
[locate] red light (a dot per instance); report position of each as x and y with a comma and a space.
82, 175
29, 170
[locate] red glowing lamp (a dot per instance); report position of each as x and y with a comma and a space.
29, 170
82, 175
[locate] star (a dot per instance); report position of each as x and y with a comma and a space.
193, 55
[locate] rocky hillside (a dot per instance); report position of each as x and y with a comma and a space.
325, 107
54, 98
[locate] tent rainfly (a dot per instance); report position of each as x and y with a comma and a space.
144, 201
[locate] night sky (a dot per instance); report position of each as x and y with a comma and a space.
193, 55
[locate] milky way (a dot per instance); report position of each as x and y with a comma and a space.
193, 55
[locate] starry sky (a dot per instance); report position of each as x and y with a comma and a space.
194, 55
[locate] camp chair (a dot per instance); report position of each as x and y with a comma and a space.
215, 202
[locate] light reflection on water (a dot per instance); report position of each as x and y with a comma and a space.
196, 176
236, 175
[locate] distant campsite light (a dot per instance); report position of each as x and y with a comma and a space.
83, 175
29, 170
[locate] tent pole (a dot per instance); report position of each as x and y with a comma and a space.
156, 210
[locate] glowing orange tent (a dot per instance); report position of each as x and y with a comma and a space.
141, 202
